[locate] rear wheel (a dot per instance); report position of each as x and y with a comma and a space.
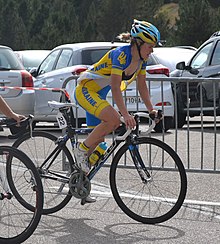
55, 168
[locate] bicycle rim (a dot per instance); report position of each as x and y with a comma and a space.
38, 148
19, 180
158, 197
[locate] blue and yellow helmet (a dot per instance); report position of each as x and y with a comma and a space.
145, 31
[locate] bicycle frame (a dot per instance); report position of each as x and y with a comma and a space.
71, 135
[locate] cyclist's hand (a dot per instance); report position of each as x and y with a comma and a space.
18, 118
156, 115
129, 121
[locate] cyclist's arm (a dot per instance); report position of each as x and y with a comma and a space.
117, 96
7, 111
144, 92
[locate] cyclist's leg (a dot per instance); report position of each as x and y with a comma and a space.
153, 190
94, 102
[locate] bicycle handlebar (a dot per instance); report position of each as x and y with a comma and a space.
152, 117
17, 131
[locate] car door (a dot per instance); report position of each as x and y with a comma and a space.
52, 73
212, 70
197, 65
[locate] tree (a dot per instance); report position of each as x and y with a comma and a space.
194, 25
13, 30
61, 26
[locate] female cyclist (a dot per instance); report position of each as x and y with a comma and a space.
118, 67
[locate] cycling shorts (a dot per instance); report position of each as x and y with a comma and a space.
93, 102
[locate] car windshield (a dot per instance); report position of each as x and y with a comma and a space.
8, 60
91, 56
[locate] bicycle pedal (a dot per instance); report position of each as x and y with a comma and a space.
87, 199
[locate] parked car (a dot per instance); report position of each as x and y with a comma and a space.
204, 63
32, 58
13, 74
170, 56
67, 60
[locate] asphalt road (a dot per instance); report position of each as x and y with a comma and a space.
103, 222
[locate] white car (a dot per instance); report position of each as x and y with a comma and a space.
32, 58
67, 60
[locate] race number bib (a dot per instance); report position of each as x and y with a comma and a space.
61, 121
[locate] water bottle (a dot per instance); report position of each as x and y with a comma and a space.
97, 153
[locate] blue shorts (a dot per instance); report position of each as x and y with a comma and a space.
91, 119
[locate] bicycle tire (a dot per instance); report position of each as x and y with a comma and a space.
38, 147
17, 222
159, 198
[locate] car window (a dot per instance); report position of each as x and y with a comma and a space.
91, 56
216, 56
64, 59
200, 59
8, 60
49, 62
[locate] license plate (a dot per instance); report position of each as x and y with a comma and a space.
133, 100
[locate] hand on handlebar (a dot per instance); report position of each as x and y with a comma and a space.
156, 115
129, 121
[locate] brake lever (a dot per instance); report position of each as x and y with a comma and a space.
157, 117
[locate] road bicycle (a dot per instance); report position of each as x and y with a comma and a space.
147, 178
20, 190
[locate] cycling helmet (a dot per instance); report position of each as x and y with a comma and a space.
145, 31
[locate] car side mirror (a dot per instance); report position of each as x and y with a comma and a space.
181, 66
33, 72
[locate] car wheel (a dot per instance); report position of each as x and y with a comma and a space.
181, 120
168, 123
181, 116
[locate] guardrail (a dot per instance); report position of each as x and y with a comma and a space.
197, 147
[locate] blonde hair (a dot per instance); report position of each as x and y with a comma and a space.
125, 37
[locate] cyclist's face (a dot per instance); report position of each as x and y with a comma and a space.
146, 50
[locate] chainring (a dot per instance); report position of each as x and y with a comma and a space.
79, 185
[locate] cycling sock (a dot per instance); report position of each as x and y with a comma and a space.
83, 147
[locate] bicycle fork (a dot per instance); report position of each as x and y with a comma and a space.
139, 164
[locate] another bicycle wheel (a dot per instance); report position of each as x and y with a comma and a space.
19, 180
152, 195
54, 164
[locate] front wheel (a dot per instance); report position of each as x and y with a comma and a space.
19, 181
152, 191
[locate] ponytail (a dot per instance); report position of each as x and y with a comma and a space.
125, 37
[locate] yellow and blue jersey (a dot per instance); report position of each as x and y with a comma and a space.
113, 62
94, 83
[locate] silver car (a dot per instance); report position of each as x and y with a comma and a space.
13, 74
67, 60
